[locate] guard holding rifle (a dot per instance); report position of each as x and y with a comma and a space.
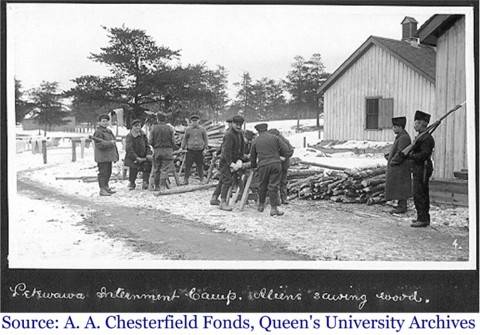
422, 168
138, 155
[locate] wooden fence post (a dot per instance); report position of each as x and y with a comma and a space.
82, 147
74, 152
44, 151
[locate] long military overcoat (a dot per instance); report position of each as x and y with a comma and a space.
398, 185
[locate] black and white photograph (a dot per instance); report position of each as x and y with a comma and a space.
240, 137
150, 133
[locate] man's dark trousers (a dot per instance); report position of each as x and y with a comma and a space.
197, 157
421, 196
226, 179
104, 173
269, 181
145, 167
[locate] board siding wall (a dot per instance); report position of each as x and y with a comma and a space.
376, 73
451, 137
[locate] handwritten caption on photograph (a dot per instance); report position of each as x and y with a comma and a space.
229, 297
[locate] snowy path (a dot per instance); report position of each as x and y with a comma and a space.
161, 233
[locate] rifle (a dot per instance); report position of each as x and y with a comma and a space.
430, 129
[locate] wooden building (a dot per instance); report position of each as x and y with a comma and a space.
447, 34
382, 79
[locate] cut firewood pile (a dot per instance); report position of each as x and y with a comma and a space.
349, 186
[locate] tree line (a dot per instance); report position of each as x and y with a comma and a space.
144, 77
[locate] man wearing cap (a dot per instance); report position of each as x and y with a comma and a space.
422, 168
163, 142
232, 151
138, 155
265, 154
398, 184
105, 153
195, 141
285, 165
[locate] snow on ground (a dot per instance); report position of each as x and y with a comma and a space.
359, 145
347, 160
47, 233
298, 237
285, 125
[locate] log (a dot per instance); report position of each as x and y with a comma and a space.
246, 190
185, 189
210, 168
326, 166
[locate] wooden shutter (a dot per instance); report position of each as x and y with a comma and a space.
372, 114
385, 113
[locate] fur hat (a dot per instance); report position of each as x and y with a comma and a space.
419, 115
400, 121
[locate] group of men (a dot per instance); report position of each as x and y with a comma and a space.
268, 155
417, 163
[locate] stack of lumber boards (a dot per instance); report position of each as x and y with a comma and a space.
349, 186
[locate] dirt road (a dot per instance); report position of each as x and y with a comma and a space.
159, 232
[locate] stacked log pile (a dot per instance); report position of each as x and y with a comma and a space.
215, 134
350, 186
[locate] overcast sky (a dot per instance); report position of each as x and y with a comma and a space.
52, 42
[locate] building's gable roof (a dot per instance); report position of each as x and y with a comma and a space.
435, 26
420, 58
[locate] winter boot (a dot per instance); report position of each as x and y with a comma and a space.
163, 185
275, 211
225, 207
214, 201
261, 207
420, 224
131, 186
104, 192
110, 190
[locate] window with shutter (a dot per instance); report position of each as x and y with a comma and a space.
372, 113
385, 113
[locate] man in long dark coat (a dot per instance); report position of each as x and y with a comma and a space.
422, 168
138, 155
105, 153
265, 154
398, 184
